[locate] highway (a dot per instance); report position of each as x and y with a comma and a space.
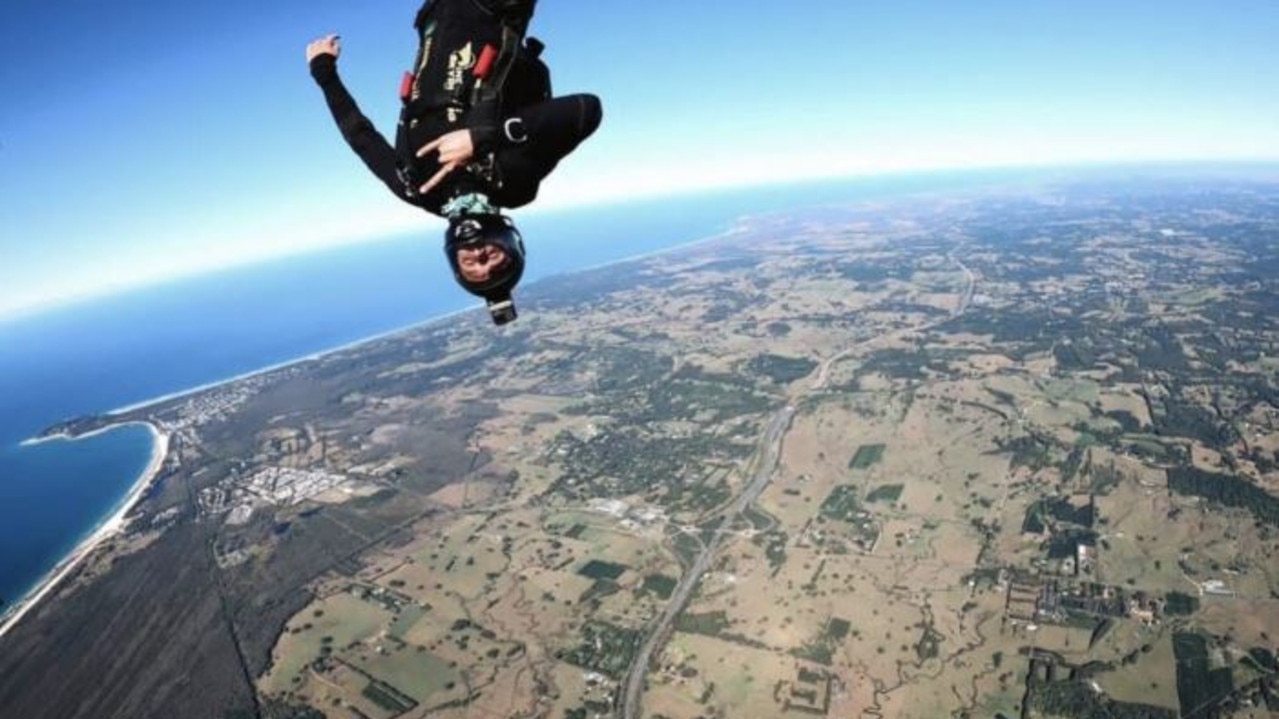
765, 464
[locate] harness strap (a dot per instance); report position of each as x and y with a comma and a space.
435, 101
492, 89
419, 22
479, 109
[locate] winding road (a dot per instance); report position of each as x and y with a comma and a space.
764, 466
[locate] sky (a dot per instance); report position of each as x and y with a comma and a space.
143, 140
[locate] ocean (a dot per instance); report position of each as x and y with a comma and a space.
127, 349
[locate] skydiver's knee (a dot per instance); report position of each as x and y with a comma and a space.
519, 194
590, 113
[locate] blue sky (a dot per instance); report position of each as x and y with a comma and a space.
143, 139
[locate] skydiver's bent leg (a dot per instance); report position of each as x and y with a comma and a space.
537, 138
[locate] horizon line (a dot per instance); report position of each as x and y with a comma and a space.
24, 311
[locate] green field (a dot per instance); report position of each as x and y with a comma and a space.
388, 698
867, 456
886, 493
837, 629
408, 669
405, 620
595, 569
711, 624
841, 504
330, 624
660, 584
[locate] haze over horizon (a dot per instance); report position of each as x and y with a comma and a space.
164, 140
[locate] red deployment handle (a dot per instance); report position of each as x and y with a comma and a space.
488, 56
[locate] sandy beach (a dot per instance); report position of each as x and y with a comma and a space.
109, 528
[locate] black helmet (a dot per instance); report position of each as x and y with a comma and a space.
488, 229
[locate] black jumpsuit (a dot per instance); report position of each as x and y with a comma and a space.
530, 142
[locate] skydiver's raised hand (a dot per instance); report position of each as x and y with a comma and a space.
327, 45
456, 149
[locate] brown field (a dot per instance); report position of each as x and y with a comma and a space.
1142, 547
923, 640
1124, 397
343, 617
737, 680
1151, 680
1248, 622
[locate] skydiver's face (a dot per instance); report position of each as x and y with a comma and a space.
481, 263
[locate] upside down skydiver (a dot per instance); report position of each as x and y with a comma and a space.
478, 131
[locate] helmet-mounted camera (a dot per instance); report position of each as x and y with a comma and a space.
494, 231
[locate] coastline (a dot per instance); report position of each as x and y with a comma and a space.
110, 527
68, 437
734, 229
285, 364
160, 440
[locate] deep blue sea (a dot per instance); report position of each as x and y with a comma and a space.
110, 353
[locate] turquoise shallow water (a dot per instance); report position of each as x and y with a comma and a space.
118, 351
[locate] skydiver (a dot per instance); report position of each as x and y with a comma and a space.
478, 132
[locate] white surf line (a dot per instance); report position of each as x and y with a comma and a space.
112, 526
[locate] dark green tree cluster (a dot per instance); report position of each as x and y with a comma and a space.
1199, 686
603, 647
1180, 604
1185, 419
1028, 451
1227, 490
1076, 700
780, 369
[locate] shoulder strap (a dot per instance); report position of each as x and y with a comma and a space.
419, 22
494, 79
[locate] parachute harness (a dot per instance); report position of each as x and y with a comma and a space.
481, 105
